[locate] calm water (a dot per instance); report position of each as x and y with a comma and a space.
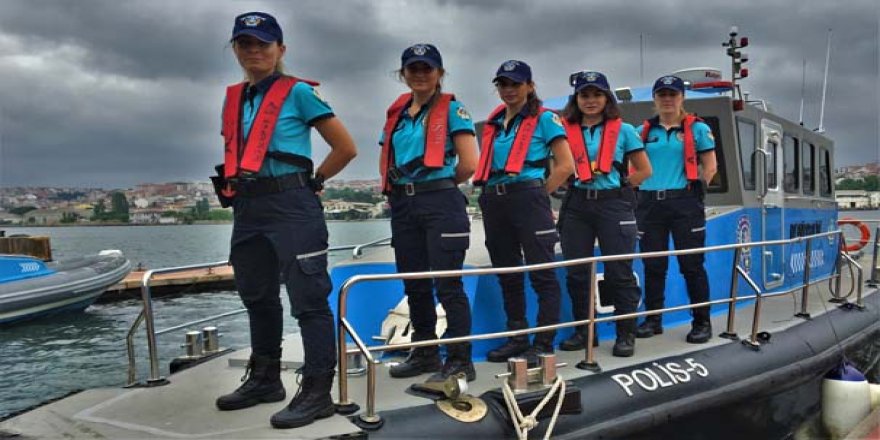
49, 358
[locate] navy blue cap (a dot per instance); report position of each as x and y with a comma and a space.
668, 82
514, 70
259, 25
426, 53
588, 78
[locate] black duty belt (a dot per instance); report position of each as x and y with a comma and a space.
598, 194
411, 189
501, 189
664, 194
257, 186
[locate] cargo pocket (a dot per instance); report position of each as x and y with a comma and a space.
547, 237
629, 230
309, 286
455, 241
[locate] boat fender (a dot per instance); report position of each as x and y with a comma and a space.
865, 234
875, 395
846, 399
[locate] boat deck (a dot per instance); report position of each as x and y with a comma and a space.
185, 407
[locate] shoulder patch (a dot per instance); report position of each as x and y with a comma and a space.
556, 119
462, 113
710, 135
318, 94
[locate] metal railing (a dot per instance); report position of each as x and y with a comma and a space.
146, 314
345, 328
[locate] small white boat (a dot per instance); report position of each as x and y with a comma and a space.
30, 288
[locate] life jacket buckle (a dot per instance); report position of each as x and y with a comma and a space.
409, 189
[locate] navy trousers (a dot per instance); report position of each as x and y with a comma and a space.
685, 219
613, 222
431, 231
282, 238
520, 224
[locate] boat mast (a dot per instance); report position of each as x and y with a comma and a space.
737, 59
821, 128
803, 88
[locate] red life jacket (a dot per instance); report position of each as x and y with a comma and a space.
248, 156
690, 148
435, 134
607, 148
517, 156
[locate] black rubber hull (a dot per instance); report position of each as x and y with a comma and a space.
744, 394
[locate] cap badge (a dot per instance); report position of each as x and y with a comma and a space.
252, 20
510, 65
667, 80
591, 76
419, 49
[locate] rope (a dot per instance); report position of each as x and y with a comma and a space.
523, 424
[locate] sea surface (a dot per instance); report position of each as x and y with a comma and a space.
49, 358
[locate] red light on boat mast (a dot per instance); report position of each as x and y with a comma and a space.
743, 73
744, 41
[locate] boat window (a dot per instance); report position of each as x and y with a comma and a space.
746, 134
824, 173
719, 181
790, 161
807, 167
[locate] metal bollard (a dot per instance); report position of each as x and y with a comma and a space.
519, 374
193, 344
547, 361
210, 340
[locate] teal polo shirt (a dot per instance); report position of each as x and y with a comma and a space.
408, 141
665, 149
302, 108
549, 129
628, 141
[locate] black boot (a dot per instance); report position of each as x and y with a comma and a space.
512, 348
458, 360
311, 402
701, 332
539, 347
577, 341
420, 360
262, 383
653, 325
625, 345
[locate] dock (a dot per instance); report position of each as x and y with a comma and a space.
191, 281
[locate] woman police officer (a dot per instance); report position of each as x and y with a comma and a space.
517, 142
279, 230
428, 148
600, 204
671, 201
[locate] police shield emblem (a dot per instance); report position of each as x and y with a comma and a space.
419, 49
668, 80
591, 76
252, 20
510, 65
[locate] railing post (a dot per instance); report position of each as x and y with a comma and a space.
874, 281
730, 333
370, 420
752, 342
155, 379
589, 363
806, 289
343, 406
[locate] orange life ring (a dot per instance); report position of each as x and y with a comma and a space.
863, 230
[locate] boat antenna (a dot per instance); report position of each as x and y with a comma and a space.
803, 86
821, 128
641, 59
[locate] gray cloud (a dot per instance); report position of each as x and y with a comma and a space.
107, 93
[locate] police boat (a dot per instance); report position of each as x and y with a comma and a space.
788, 304
31, 288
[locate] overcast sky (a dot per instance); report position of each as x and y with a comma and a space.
115, 93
